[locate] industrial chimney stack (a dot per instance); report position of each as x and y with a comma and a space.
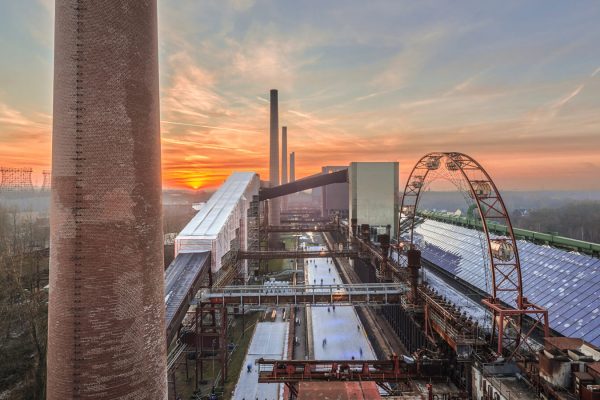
274, 205
106, 331
284, 165
292, 166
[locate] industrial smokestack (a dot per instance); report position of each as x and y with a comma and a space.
292, 166
106, 331
284, 165
274, 206
284, 169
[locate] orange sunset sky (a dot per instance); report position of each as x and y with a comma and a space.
514, 84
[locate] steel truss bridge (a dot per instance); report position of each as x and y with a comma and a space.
393, 375
282, 254
353, 294
302, 228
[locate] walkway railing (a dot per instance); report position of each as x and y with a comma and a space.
369, 293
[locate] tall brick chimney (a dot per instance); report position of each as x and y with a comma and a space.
106, 333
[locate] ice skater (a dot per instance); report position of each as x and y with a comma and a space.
361, 352
324, 342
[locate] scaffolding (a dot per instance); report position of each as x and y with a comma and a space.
47, 182
16, 179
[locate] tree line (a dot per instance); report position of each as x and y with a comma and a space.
577, 220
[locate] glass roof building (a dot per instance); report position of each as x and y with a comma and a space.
567, 283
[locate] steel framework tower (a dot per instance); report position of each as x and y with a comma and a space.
106, 329
46, 185
15, 179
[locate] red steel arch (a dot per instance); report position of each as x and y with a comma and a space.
505, 266
502, 251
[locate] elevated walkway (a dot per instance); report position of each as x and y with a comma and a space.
282, 254
303, 184
183, 279
358, 294
302, 228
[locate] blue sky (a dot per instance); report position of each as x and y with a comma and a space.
514, 84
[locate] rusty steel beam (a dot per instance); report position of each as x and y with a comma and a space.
303, 184
293, 371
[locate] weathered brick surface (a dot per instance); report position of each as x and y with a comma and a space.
106, 312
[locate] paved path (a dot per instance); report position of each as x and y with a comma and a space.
339, 326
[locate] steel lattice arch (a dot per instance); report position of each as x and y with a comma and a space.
504, 265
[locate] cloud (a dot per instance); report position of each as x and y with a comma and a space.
564, 100
24, 138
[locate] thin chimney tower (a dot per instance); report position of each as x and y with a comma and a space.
292, 166
106, 327
274, 206
284, 164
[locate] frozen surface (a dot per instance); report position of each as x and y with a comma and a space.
269, 341
339, 326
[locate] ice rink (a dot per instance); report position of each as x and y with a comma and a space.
270, 342
339, 326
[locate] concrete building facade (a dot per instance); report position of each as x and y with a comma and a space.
373, 194
106, 330
335, 196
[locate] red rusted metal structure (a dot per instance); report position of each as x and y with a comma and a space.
394, 371
471, 178
293, 372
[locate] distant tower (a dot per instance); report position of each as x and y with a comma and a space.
15, 179
284, 165
274, 206
46, 185
292, 166
106, 332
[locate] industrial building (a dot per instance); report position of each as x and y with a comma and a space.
364, 293
335, 196
221, 225
373, 195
